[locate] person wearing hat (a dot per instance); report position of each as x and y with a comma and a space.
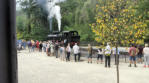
107, 55
146, 55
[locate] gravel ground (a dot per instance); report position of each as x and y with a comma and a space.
38, 68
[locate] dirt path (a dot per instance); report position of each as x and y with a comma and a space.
38, 68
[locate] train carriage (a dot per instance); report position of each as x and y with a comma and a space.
71, 37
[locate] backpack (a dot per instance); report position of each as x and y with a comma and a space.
133, 52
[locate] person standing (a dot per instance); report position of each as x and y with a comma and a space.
48, 49
40, 46
33, 45
20, 46
56, 49
140, 54
100, 55
132, 53
62, 53
44, 46
108, 55
37, 45
76, 51
146, 55
68, 50
114, 53
89, 53
52, 49
29, 45
24, 44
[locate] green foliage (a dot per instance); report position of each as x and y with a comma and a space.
21, 22
117, 22
32, 22
84, 30
77, 15
143, 9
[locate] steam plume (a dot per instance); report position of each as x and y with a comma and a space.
53, 10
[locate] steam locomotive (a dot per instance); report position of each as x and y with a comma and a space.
71, 37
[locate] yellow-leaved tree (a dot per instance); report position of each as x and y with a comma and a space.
117, 22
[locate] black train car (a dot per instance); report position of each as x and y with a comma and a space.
71, 37
57, 36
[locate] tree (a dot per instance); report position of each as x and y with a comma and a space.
77, 14
117, 22
143, 9
21, 23
28, 7
33, 19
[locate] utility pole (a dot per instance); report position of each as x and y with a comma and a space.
8, 53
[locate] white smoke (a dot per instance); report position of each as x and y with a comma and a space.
52, 9
55, 12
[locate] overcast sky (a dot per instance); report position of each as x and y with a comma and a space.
17, 5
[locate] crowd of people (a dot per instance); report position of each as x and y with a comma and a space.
60, 50
52, 48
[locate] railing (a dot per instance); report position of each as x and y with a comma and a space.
124, 56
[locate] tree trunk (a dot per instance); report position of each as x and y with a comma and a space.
29, 28
117, 64
125, 58
29, 23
